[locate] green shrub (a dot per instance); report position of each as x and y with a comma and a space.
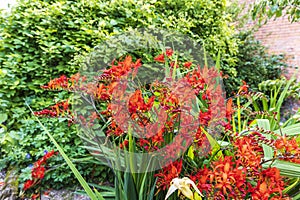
33, 141
43, 39
254, 64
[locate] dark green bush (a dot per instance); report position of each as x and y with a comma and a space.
254, 64
43, 39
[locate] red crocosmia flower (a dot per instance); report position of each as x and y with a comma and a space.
44, 159
38, 172
127, 62
102, 93
144, 143
227, 126
169, 52
124, 144
201, 139
94, 116
196, 80
65, 105
244, 88
227, 178
187, 64
206, 95
201, 178
39, 162
137, 103
76, 80
172, 64
177, 147
90, 88
205, 117
28, 184
47, 113
113, 129
136, 65
167, 174
59, 109
169, 101
121, 68
229, 110
58, 83
287, 147
108, 110
158, 138
160, 58
49, 154
270, 183
262, 192
35, 196
249, 153
46, 193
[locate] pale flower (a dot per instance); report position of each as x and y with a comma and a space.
183, 185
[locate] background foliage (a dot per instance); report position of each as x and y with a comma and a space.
264, 10
254, 64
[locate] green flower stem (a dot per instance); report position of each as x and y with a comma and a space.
239, 114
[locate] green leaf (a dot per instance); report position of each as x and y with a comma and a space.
191, 152
3, 117
265, 125
83, 183
130, 187
218, 61
290, 130
286, 168
291, 186
214, 144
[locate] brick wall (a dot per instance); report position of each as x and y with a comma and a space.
281, 36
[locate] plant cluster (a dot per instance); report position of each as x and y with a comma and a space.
38, 171
41, 40
253, 55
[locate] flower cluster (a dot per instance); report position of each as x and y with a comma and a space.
288, 149
157, 113
140, 102
167, 174
38, 171
59, 109
65, 83
238, 176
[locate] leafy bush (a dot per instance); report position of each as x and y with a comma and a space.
265, 10
42, 39
254, 64
33, 142
289, 112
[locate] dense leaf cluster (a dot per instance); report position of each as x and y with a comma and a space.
264, 10
254, 64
